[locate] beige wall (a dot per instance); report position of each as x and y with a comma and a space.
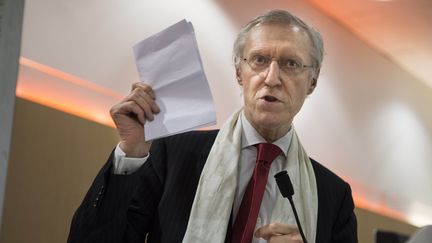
368, 222
55, 156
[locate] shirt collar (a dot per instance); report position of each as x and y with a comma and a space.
251, 137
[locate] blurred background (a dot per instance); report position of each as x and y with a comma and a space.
369, 120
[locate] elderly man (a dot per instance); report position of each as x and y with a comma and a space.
218, 186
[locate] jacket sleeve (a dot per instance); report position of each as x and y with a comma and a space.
336, 219
107, 213
345, 227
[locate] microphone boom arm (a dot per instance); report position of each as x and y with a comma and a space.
285, 186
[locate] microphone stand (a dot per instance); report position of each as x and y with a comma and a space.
284, 183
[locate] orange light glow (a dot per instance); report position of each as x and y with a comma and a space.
52, 88
68, 77
381, 209
65, 107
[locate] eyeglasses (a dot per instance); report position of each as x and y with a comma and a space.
290, 67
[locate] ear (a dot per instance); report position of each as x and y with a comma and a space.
314, 81
238, 77
313, 85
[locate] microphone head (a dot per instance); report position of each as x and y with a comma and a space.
284, 183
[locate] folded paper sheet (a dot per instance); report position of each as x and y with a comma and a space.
169, 61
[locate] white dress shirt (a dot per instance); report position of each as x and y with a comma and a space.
250, 137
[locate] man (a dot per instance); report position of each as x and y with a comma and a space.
218, 186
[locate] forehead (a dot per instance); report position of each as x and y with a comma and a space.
277, 40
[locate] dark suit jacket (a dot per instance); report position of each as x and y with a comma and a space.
155, 201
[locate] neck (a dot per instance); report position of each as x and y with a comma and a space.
272, 134
270, 131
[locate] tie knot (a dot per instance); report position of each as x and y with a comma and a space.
267, 152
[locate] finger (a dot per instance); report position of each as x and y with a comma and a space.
146, 97
144, 101
147, 110
128, 107
139, 112
290, 238
147, 93
275, 229
144, 87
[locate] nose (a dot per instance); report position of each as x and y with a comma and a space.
273, 75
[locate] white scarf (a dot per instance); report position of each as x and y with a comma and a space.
212, 206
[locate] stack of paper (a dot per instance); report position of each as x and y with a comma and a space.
169, 61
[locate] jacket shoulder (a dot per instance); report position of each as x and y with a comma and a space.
192, 138
196, 133
325, 176
336, 218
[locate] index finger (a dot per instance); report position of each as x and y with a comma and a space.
276, 229
145, 87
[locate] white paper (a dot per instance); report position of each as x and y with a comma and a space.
170, 62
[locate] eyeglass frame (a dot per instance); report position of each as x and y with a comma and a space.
301, 67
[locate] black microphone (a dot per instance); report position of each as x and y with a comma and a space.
285, 187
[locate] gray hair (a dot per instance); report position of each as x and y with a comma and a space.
286, 18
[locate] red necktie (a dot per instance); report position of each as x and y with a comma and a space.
247, 215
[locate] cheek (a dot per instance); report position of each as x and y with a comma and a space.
296, 94
298, 87
251, 88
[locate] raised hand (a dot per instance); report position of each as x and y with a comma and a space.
130, 115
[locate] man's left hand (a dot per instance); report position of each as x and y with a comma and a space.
278, 232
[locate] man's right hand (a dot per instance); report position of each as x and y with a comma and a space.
279, 233
130, 115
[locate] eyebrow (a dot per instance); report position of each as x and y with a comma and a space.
284, 56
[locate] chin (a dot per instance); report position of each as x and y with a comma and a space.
270, 121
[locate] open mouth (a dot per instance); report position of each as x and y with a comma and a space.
270, 98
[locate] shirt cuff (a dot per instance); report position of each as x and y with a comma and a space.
124, 165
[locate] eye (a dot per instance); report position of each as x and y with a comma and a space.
291, 64
259, 60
